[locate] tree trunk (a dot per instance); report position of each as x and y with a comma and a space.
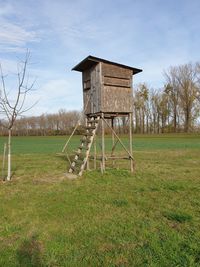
143, 123
147, 123
187, 120
163, 123
136, 121
158, 123
140, 120
175, 120
154, 123
9, 154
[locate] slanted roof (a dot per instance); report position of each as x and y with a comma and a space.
90, 61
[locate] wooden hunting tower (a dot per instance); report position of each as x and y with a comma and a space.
107, 86
107, 94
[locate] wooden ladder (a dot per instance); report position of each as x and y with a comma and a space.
82, 154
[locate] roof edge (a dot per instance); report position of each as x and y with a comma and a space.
97, 60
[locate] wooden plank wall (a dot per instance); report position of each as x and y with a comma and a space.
109, 88
86, 79
117, 89
96, 88
117, 99
92, 89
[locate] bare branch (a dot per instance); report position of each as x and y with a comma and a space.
11, 112
25, 110
4, 87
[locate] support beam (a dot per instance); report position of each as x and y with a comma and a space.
95, 152
113, 140
103, 142
119, 140
88, 163
131, 141
113, 148
3, 163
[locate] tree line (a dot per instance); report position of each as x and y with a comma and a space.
173, 108
60, 123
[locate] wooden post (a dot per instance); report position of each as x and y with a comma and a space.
87, 164
95, 152
103, 142
9, 154
3, 163
113, 138
128, 152
130, 140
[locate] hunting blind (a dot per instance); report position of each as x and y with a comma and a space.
107, 94
107, 84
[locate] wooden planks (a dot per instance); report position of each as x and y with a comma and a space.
95, 89
86, 75
92, 90
86, 101
86, 85
117, 81
86, 80
115, 71
117, 99
109, 88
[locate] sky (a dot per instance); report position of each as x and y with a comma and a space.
148, 34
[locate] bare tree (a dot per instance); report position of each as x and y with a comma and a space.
187, 79
183, 90
141, 107
172, 90
13, 107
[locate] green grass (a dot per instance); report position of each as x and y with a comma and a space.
151, 218
178, 217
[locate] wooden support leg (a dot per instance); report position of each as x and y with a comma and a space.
103, 142
3, 163
87, 164
131, 142
127, 151
95, 152
113, 139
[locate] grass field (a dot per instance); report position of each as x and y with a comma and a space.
151, 218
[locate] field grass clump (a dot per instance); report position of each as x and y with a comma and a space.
120, 202
180, 217
149, 218
29, 252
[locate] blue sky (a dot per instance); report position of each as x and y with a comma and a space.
148, 34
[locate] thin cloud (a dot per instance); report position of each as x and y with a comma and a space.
58, 92
6, 9
13, 37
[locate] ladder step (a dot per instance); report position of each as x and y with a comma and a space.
92, 121
82, 155
85, 140
78, 160
90, 127
83, 147
77, 152
75, 169
88, 134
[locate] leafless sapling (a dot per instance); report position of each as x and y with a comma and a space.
12, 103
